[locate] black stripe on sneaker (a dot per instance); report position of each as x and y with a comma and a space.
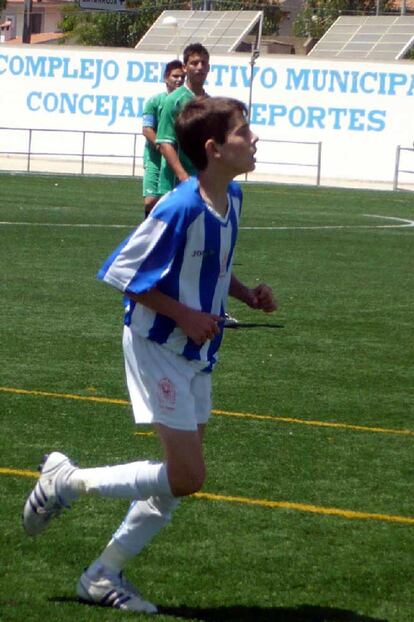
109, 598
124, 598
33, 506
37, 499
42, 492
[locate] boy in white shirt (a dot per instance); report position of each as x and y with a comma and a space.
175, 271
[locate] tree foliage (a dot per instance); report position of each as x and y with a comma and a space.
125, 29
318, 15
104, 28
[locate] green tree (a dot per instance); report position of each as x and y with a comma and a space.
125, 29
104, 28
317, 16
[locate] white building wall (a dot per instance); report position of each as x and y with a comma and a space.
51, 19
359, 111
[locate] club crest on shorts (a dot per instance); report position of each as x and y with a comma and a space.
166, 394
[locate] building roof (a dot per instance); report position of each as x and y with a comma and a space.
409, 5
42, 37
11, 3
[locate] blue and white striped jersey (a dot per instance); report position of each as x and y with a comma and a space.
185, 249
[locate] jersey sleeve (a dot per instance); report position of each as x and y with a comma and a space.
149, 117
146, 257
166, 123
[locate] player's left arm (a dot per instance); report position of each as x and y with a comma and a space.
259, 297
170, 154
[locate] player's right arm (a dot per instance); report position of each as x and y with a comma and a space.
150, 135
170, 154
197, 325
149, 120
146, 257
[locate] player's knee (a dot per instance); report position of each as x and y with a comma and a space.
165, 505
188, 483
149, 204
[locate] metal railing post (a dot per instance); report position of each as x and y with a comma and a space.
134, 155
29, 149
397, 168
83, 152
318, 171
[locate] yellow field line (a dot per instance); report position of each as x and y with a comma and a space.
322, 424
19, 472
67, 396
263, 503
222, 413
303, 507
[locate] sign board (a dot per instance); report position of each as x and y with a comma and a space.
359, 111
104, 5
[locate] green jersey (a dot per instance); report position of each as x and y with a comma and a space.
173, 104
152, 112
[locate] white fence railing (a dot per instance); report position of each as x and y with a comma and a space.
91, 152
404, 167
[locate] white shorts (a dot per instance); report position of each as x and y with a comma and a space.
163, 386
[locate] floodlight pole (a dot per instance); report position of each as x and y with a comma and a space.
170, 20
253, 58
255, 55
177, 42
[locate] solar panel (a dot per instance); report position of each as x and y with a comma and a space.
219, 31
374, 38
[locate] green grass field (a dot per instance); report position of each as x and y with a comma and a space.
307, 514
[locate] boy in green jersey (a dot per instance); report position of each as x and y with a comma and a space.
174, 78
175, 165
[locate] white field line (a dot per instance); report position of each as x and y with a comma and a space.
61, 224
401, 223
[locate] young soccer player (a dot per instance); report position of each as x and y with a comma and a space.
174, 78
176, 166
176, 273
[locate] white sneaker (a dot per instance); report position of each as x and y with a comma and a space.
44, 502
112, 591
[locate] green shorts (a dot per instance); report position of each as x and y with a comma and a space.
151, 178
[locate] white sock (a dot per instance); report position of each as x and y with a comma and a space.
112, 560
135, 480
142, 522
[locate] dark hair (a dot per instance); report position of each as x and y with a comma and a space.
173, 64
204, 118
194, 48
